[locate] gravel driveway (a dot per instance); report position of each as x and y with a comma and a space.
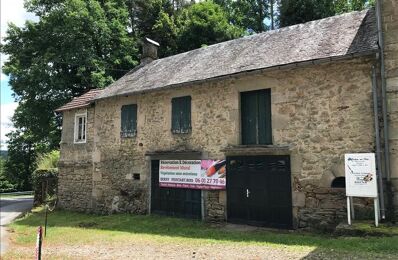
154, 250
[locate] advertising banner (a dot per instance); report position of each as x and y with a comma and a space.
193, 174
360, 175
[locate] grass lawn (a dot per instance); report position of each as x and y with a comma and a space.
81, 236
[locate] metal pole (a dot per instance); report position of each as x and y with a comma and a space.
39, 243
348, 211
45, 222
378, 148
352, 208
379, 8
376, 204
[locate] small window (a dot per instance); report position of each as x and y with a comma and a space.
181, 115
80, 128
338, 182
128, 121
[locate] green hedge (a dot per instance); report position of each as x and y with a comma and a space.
45, 183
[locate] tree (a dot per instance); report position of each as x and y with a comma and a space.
301, 11
19, 165
5, 184
76, 45
248, 14
165, 32
204, 23
343, 6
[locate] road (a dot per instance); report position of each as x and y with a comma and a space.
10, 209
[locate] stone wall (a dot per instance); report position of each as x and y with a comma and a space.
321, 112
390, 30
76, 165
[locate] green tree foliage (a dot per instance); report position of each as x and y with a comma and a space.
76, 45
301, 11
343, 6
5, 184
21, 158
48, 160
248, 14
204, 23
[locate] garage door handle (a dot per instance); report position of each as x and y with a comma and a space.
247, 193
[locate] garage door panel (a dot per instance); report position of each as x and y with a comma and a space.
173, 201
262, 186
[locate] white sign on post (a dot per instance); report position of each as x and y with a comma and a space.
361, 181
360, 175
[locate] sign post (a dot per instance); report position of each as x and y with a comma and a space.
39, 242
361, 181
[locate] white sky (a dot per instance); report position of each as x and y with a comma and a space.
11, 11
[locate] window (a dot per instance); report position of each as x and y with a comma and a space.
80, 128
128, 121
181, 115
256, 117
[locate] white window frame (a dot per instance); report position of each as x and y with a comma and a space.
76, 128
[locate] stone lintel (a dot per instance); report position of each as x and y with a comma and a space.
71, 163
241, 150
176, 155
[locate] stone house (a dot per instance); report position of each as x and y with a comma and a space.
281, 107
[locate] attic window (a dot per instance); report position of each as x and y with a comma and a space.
338, 182
80, 128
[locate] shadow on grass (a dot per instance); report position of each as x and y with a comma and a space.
184, 228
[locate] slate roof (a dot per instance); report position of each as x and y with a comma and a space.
351, 34
81, 101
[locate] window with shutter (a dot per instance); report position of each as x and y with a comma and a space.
128, 121
181, 115
256, 117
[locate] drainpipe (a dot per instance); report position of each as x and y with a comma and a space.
378, 148
384, 106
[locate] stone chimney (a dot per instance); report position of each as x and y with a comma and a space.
149, 50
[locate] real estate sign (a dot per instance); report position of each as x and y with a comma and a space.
360, 175
193, 174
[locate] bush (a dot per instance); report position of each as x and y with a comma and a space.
5, 184
48, 161
45, 177
45, 183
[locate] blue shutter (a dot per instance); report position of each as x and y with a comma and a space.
249, 117
256, 117
128, 121
181, 115
264, 117
175, 115
186, 120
